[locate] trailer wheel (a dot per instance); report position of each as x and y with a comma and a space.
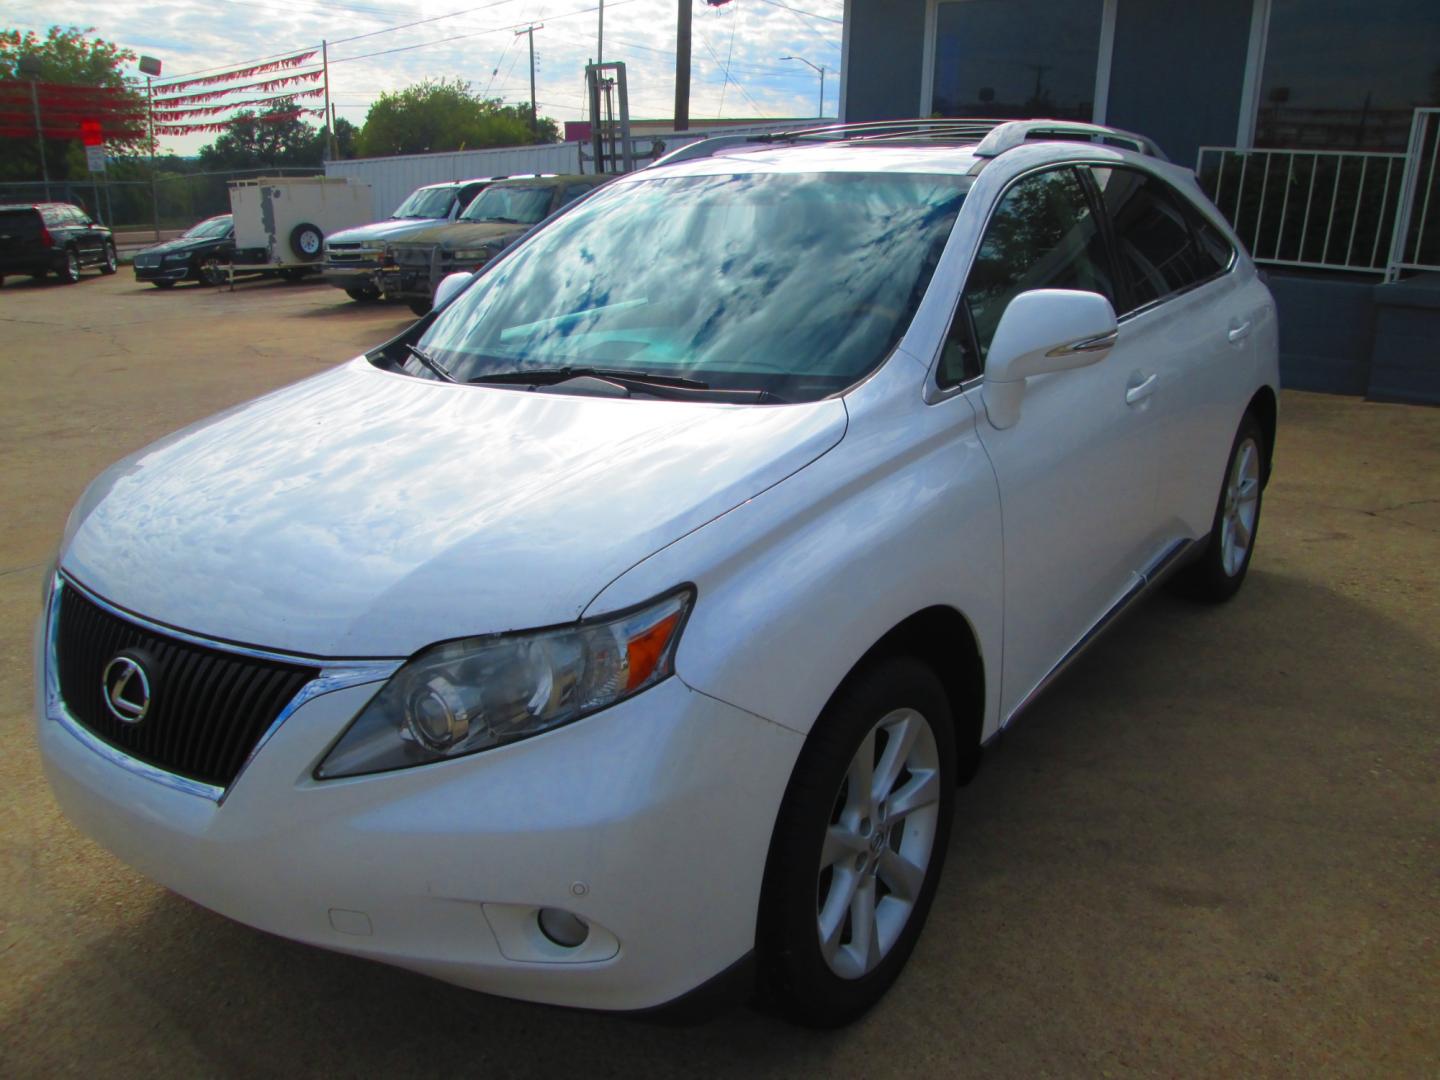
307, 242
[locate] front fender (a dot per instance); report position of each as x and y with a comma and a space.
795, 585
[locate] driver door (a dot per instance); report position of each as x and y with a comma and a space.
1077, 472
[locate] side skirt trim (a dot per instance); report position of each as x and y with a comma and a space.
1173, 558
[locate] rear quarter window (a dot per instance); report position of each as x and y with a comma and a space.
1157, 238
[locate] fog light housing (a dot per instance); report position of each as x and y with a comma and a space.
564, 929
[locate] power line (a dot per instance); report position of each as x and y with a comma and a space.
802, 11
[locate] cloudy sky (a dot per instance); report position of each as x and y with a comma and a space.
476, 41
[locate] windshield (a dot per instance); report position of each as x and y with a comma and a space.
211, 227
432, 202
794, 284
514, 205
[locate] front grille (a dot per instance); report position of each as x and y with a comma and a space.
412, 257
208, 707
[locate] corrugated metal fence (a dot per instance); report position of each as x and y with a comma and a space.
393, 178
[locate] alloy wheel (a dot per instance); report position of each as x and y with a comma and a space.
1242, 507
878, 843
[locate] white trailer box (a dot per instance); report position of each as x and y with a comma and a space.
282, 221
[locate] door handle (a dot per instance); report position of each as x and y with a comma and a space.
1238, 332
1141, 390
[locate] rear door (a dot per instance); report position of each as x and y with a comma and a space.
1186, 310
1076, 473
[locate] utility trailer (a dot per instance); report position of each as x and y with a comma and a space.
281, 221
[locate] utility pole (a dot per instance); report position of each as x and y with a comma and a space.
682, 67
30, 68
600, 40
534, 117
330, 144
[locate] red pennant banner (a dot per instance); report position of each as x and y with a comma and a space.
211, 95
169, 116
225, 125
242, 73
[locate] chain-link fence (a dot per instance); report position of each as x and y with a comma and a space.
124, 201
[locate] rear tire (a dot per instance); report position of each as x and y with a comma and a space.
860, 839
111, 262
210, 272
1220, 571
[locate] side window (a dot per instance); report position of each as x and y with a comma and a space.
1157, 248
467, 196
1043, 235
573, 192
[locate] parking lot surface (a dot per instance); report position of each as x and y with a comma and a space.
1212, 849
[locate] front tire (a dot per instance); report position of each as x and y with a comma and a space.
70, 272
420, 307
1220, 571
363, 296
859, 845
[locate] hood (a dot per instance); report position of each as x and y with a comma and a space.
460, 234
185, 243
365, 513
390, 229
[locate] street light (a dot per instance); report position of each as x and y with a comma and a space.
150, 68
820, 112
30, 68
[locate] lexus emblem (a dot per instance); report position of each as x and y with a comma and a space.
127, 690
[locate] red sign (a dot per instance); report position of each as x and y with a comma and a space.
90, 132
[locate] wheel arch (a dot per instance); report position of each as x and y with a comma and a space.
944, 640
1264, 407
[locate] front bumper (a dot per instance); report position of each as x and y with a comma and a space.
351, 275
162, 272
650, 820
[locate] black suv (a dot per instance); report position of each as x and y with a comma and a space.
38, 238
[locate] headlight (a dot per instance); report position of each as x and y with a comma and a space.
460, 697
179, 256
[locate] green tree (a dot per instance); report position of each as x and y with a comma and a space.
254, 142
445, 114
67, 55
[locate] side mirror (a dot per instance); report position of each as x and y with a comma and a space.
1043, 330
451, 285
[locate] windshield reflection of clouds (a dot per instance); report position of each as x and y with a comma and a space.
426, 203
796, 284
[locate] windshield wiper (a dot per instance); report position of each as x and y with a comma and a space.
550, 376
430, 362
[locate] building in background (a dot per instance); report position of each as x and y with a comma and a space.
1313, 124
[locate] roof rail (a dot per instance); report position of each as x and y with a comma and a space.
993, 136
1008, 136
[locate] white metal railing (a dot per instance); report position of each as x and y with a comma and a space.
1321, 209
1416, 244
1354, 210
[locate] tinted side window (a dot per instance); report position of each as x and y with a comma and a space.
575, 191
1157, 249
467, 196
1043, 235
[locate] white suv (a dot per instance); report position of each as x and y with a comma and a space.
621, 630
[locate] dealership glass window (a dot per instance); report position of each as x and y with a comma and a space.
1345, 74
1016, 58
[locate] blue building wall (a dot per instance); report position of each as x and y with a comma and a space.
1177, 72
887, 41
